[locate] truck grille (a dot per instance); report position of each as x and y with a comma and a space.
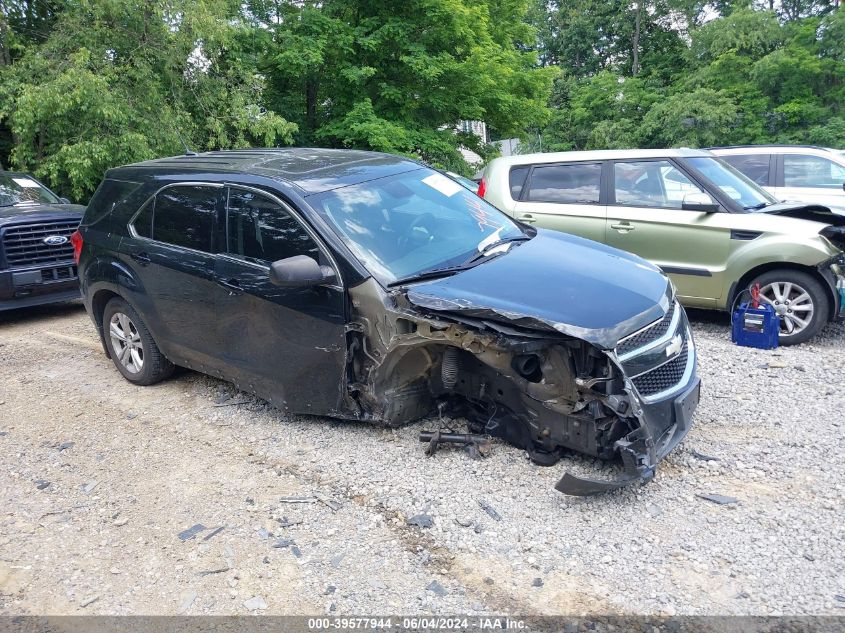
663, 377
24, 244
60, 273
648, 334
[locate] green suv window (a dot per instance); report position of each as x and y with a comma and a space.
573, 183
652, 183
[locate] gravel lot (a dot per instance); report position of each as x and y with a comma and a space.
98, 478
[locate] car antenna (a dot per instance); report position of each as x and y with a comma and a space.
188, 151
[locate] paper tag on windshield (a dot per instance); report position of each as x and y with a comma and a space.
444, 185
27, 182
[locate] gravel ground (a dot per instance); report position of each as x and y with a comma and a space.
99, 478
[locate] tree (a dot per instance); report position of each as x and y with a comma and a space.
399, 77
113, 84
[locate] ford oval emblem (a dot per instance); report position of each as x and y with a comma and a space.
55, 240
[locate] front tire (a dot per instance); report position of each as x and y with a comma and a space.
131, 346
799, 300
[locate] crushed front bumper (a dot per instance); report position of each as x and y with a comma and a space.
666, 424
660, 363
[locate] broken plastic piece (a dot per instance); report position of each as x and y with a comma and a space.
569, 484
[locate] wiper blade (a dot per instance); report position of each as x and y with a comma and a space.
486, 251
433, 273
428, 274
757, 207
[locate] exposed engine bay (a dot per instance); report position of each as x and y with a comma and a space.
540, 390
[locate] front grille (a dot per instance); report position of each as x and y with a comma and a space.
24, 245
663, 377
60, 273
647, 335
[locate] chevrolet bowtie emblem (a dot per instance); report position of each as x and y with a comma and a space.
674, 346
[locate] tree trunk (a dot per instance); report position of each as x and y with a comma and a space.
635, 41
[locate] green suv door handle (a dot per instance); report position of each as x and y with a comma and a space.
624, 227
527, 218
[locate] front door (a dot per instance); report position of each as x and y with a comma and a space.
564, 197
645, 217
285, 344
170, 255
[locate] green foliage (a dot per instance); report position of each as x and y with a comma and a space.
399, 77
750, 76
89, 84
112, 83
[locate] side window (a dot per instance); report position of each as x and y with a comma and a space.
812, 171
517, 180
260, 230
143, 222
755, 166
653, 183
184, 215
573, 183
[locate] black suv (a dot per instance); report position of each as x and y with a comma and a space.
36, 253
366, 286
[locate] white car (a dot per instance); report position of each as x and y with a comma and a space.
801, 173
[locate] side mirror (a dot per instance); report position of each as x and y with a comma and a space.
300, 271
64, 200
699, 202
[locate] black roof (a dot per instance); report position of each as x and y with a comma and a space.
310, 169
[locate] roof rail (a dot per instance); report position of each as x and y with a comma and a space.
826, 149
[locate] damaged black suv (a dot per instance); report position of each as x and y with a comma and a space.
366, 286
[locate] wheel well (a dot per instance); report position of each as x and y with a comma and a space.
98, 305
764, 268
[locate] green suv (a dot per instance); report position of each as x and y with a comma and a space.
711, 229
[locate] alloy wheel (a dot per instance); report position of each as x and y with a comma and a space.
792, 303
126, 342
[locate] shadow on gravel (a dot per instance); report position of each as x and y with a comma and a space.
36, 313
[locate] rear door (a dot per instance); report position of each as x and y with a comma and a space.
811, 179
169, 249
645, 217
287, 345
564, 197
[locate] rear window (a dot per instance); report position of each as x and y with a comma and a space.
573, 183
754, 166
812, 171
111, 195
517, 180
182, 215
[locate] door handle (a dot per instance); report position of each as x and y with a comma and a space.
623, 227
232, 285
141, 258
527, 218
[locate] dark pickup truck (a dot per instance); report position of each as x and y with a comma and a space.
36, 253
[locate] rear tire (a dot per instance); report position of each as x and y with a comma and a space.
131, 346
800, 301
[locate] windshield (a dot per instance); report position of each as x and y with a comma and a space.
737, 187
21, 189
404, 225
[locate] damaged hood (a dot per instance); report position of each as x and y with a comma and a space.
813, 212
556, 282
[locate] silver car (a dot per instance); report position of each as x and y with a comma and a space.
800, 173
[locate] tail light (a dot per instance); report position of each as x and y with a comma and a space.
76, 242
482, 188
